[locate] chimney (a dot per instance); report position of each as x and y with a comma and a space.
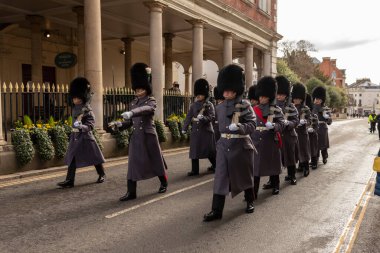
326, 59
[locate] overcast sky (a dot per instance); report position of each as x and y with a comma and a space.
346, 30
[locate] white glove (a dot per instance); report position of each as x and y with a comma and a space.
127, 115
233, 127
78, 124
200, 116
310, 130
269, 125
118, 124
286, 122
326, 116
183, 132
303, 121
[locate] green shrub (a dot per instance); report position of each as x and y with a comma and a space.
60, 140
122, 138
43, 143
160, 128
173, 127
97, 138
23, 146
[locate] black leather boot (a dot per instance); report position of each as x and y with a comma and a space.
213, 164
306, 170
314, 163
101, 179
194, 168
164, 184
131, 194
256, 186
249, 196
276, 184
268, 185
217, 208
102, 176
292, 175
66, 184
325, 155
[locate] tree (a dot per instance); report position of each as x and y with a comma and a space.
312, 83
335, 97
283, 69
296, 55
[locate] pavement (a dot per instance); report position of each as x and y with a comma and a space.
332, 210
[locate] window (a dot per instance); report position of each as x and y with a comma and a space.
265, 5
360, 95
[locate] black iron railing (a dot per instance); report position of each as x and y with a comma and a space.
40, 102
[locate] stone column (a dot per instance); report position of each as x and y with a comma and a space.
79, 10
197, 57
267, 63
168, 60
127, 60
156, 54
187, 82
227, 48
93, 57
36, 47
248, 64
2, 141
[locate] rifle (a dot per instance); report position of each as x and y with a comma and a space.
201, 111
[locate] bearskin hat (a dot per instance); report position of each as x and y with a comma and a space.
218, 95
201, 87
231, 77
252, 93
266, 87
80, 88
283, 85
141, 77
299, 91
309, 101
319, 92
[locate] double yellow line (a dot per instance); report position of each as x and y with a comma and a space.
347, 239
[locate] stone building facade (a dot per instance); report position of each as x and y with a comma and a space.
107, 36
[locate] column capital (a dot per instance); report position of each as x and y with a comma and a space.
155, 6
226, 35
248, 43
197, 22
169, 36
127, 40
35, 19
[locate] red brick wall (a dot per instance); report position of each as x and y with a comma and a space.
254, 13
328, 66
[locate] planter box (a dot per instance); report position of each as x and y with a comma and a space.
9, 165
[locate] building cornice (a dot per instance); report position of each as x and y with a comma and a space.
232, 20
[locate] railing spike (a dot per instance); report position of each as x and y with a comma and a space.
22, 87
38, 87
5, 88
53, 87
58, 88
33, 87
43, 87
10, 87
27, 87
16, 87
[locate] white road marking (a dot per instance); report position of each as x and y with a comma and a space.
157, 199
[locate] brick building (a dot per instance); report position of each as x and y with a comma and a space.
328, 68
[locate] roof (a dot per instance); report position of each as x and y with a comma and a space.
364, 83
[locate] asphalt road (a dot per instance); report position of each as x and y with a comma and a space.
308, 217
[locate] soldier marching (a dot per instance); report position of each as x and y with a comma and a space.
279, 126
